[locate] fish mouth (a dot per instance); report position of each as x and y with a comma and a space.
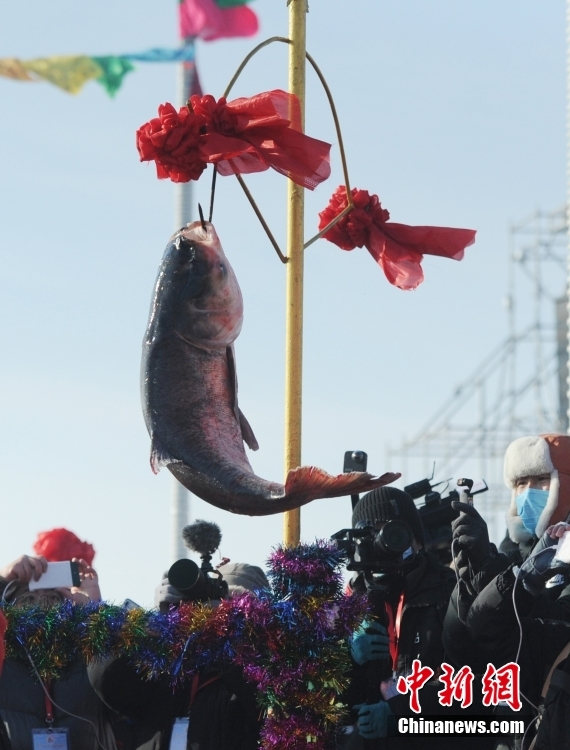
196, 231
200, 231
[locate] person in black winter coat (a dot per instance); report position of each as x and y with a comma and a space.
537, 471
523, 614
216, 709
481, 625
408, 591
67, 703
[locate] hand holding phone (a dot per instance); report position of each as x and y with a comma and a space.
63, 574
563, 548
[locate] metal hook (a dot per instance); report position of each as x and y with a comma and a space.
202, 220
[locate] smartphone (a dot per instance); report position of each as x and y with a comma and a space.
563, 549
129, 604
58, 575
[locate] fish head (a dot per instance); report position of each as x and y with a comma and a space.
205, 303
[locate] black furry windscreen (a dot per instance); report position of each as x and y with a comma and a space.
203, 537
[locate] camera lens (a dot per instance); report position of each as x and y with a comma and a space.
184, 574
394, 538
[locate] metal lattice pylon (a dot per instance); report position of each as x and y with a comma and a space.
520, 387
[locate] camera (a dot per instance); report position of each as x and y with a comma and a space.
354, 461
436, 511
381, 557
374, 551
199, 583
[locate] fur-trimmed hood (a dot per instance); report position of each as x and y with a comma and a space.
534, 455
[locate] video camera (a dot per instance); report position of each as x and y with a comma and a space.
375, 551
367, 553
199, 584
436, 512
370, 550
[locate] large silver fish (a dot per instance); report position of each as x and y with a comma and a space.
189, 388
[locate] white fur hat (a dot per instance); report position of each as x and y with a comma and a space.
533, 455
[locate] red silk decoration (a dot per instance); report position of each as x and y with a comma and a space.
171, 141
211, 20
240, 137
397, 248
62, 544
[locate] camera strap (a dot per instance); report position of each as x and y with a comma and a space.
394, 623
197, 685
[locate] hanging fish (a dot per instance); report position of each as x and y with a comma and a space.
189, 388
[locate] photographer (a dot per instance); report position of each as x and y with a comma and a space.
29, 702
215, 709
537, 471
408, 590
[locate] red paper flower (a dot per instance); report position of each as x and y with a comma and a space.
239, 137
171, 140
397, 248
61, 544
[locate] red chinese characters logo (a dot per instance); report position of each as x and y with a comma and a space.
457, 686
414, 683
502, 685
499, 685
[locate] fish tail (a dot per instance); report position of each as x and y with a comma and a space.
308, 483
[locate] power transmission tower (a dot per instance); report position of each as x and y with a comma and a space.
519, 388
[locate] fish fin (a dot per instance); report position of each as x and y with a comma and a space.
310, 483
158, 456
246, 431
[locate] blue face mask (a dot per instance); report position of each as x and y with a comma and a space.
530, 504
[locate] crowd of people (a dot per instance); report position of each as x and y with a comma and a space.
485, 635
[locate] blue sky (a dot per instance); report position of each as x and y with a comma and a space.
453, 113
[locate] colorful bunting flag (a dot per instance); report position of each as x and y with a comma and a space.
204, 19
10, 67
72, 72
216, 19
69, 72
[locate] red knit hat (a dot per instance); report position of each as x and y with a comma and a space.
62, 544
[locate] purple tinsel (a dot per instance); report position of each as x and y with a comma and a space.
290, 642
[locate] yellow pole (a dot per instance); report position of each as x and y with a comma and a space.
294, 272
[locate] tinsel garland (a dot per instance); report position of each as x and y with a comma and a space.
290, 642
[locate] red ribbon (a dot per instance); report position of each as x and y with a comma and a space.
240, 137
397, 248
394, 623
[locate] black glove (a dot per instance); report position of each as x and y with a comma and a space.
470, 533
537, 569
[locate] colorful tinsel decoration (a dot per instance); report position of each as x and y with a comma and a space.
290, 642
